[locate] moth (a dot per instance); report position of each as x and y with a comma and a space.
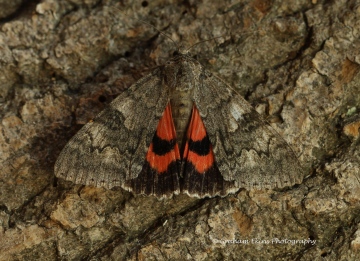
179, 129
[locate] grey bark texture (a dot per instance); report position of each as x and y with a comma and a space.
296, 62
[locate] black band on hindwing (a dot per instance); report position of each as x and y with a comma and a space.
161, 147
201, 147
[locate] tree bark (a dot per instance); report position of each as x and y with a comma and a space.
296, 62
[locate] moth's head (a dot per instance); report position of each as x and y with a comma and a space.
180, 71
181, 53
181, 50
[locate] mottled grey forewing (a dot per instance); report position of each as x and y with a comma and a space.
247, 149
111, 149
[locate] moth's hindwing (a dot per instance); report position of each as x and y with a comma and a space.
160, 173
201, 174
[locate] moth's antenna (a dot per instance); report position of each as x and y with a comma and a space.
206, 40
211, 39
158, 30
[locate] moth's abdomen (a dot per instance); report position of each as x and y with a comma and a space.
181, 105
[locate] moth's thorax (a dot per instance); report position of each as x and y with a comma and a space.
181, 75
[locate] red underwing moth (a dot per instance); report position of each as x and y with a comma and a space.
179, 129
